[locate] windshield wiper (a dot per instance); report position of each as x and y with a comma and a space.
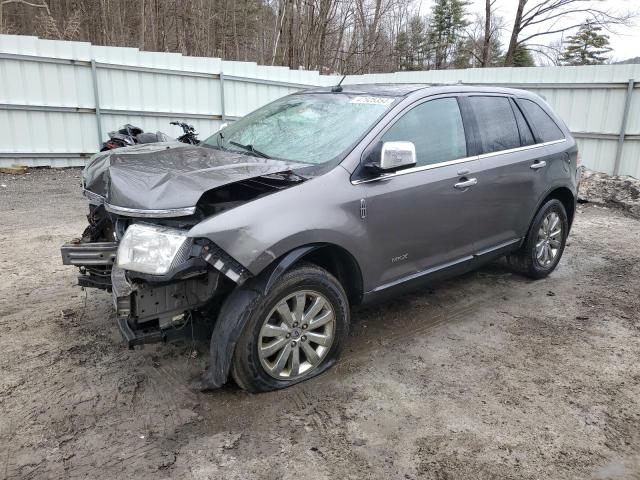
250, 148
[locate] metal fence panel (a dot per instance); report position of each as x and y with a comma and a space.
54, 111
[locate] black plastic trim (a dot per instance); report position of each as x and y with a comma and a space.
191, 266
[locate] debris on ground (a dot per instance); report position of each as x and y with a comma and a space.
15, 170
606, 190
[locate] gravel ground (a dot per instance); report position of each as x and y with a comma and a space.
485, 376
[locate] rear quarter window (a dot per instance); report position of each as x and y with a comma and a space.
541, 122
496, 123
526, 137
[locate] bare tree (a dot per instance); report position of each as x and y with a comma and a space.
346, 36
488, 33
545, 17
41, 4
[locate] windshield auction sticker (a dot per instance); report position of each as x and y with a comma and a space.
372, 100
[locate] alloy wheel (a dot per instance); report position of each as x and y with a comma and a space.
296, 335
549, 239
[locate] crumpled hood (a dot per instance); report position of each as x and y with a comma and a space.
170, 175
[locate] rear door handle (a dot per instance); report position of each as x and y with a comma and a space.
536, 165
466, 184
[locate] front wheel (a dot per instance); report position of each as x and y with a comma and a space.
294, 332
545, 242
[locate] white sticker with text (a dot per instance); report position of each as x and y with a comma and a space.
372, 100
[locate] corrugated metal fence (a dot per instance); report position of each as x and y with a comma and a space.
59, 99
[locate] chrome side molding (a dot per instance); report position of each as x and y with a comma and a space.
387, 176
144, 213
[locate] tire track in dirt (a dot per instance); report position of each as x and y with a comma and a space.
420, 328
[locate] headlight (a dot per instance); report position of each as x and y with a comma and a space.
152, 249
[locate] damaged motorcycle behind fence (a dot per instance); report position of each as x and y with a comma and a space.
189, 136
130, 135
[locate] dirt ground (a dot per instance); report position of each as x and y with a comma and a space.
485, 376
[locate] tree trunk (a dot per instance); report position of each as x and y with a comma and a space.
486, 43
290, 59
142, 25
513, 42
283, 8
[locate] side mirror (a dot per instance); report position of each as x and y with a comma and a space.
224, 125
394, 156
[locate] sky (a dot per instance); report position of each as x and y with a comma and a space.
624, 41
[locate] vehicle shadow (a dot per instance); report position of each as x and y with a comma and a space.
419, 310
413, 314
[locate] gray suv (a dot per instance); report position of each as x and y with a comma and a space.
273, 228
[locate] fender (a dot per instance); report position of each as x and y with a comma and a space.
271, 274
542, 198
231, 321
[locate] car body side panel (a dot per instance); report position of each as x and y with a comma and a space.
508, 190
419, 221
258, 232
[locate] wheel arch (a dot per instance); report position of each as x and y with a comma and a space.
564, 195
568, 199
338, 261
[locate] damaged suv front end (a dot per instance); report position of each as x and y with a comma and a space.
158, 275
176, 232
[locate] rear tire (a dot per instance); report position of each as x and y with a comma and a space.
543, 247
279, 344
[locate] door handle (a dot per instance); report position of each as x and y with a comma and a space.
536, 165
466, 184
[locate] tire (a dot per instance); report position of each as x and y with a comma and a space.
527, 260
256, 372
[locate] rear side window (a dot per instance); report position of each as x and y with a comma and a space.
526, 137
541, 121
496, 123
435, 128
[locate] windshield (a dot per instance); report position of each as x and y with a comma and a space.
307, 128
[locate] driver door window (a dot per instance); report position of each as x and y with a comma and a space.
435, 128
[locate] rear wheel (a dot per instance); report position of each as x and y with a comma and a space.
294, 332
545, 242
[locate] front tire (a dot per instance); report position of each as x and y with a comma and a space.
294, 332
543, 247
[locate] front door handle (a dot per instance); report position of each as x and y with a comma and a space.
466, 184
538, 164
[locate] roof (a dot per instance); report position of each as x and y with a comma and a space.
392, 89
404, 89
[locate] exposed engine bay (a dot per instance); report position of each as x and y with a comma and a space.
152, 307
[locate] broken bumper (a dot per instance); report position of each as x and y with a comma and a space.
94, 261
153, 308
148, 310
83, 254
150, 313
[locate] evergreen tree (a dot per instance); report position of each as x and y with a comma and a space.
417, 42
447, 29
522, 57
411, 45
402, 52
587, 47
